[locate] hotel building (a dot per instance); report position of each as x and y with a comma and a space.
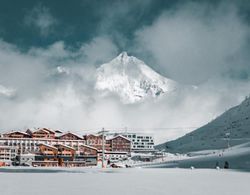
54, 148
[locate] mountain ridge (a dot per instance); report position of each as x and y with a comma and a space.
229, 129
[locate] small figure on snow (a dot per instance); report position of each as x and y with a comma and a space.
226, 165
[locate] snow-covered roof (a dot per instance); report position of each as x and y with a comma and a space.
49, 130
64, 146
47, 145
71, 134
58, 131
17, 132
111, 138
44, 130
92, 134
33, 130
88, 146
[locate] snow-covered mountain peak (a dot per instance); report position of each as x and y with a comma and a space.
123, 56
123, 59
131, 79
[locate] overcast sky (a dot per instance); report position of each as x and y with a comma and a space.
49, 51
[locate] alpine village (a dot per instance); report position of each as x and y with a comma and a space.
44, 147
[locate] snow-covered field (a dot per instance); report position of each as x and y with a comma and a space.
127, 181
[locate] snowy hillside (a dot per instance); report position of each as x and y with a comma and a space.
131, 79
238, 157
231, 128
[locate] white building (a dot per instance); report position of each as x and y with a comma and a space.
7, 154
140, 142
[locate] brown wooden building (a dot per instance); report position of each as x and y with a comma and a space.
95, 141
52, 148
65, 155
87, 150
120, 144
62, 155
48, 150
87, 155
43, 133
47, 156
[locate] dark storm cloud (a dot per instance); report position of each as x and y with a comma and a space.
75, 21
196, 42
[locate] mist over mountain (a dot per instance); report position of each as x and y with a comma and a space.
42, 90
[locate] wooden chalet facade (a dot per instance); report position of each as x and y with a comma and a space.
46, 157
95, 141
120, 144
62, 155
43, 133
65, 154
87, 150
88, 155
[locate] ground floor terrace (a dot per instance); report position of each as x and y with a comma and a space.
64, 161
62, 164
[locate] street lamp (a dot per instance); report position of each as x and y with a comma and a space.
102, 132
228, 139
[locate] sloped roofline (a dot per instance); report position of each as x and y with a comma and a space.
16, 132
71, 134
49, 130
88, 146
44, 130
47, 145
121, 137
64, 146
